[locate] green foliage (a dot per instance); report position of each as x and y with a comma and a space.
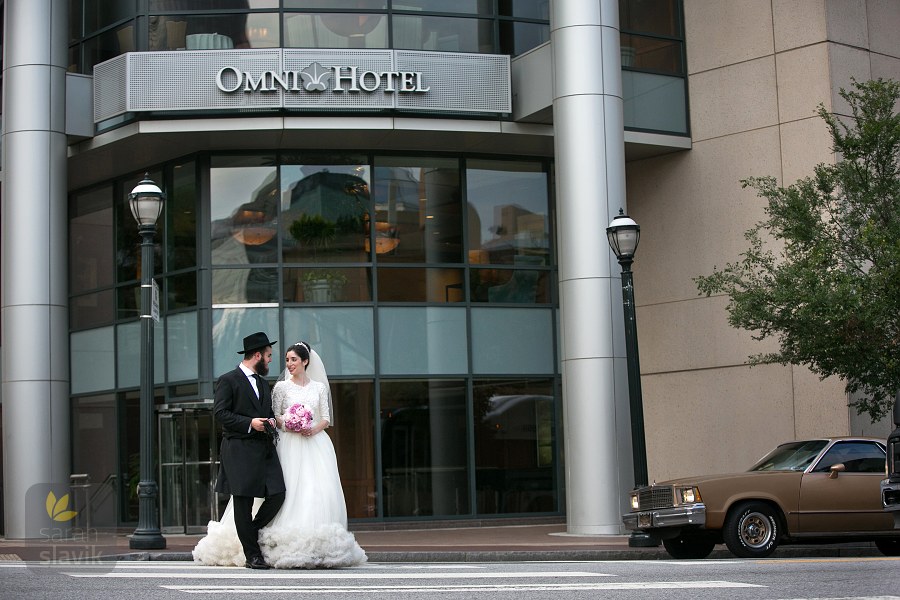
314, 231
828, 288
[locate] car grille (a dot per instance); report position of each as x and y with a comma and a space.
656, 497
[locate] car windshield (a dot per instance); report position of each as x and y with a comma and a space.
794, 456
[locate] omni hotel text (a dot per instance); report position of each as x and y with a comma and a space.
316, 78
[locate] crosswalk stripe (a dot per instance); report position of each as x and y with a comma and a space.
341, 575
512, 587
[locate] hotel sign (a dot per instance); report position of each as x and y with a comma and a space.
316, 78
302, 79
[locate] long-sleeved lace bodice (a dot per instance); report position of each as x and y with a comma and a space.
313, 395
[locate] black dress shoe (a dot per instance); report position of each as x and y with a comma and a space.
257, 562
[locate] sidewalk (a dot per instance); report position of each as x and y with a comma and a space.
471, 543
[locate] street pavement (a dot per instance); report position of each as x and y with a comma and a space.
423, 542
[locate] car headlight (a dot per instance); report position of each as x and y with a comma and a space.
688, 495
635, 502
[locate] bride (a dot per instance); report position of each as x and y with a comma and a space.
310, 530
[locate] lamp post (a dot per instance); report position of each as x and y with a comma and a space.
146, 201
623, 235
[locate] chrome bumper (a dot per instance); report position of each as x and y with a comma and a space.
678, 516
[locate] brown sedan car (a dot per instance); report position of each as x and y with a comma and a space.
811, 490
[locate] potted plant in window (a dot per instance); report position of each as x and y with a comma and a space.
316, 232
323, 285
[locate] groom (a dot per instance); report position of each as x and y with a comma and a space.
249, 464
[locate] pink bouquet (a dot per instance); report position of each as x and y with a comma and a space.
298, 418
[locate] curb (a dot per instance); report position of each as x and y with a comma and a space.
469, 556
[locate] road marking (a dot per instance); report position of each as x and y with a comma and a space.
826, 559
419, 589
851, 598
341, 575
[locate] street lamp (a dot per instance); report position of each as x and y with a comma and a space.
623, 235
146, 201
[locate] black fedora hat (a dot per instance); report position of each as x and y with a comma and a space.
256, 341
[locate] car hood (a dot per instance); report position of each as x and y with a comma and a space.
747, 475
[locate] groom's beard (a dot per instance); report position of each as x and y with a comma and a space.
261, 367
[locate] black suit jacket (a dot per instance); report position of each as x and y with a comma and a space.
249, 465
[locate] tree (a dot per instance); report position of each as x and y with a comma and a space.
825, 280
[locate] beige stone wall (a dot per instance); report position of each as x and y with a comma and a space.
757, 71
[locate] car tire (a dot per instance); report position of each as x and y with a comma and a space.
687, 546
888, 547
751, 530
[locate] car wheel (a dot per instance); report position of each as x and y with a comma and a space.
689, 546
751, 530
888, 547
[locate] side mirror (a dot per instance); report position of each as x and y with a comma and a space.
835, 469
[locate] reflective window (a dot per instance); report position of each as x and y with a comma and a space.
88, 350
128, 354
181, 291
512, 340
214, 32
100, 13
95, 453
430, 340
514, 286
514, 446
324, 210
181, 346
420, 285
181, 218
338, 30
244, 213
91, 310
443, 34
91, 240
517, 38
424, 465
337, 4
108, 45
343, 337
508, 210
660, 17
76, 20
526, 9
417, 210
353, 436
231, 325
171, 5
654, 102
473, 7
652, 54
327, 285
128, 301
244, 286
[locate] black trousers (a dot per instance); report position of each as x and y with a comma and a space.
247, 526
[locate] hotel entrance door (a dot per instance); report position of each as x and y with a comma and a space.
188, 464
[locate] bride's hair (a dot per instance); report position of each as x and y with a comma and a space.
301, 349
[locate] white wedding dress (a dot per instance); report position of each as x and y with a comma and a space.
310, 530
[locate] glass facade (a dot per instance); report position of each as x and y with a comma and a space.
654, 65
419, 279
108, 28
